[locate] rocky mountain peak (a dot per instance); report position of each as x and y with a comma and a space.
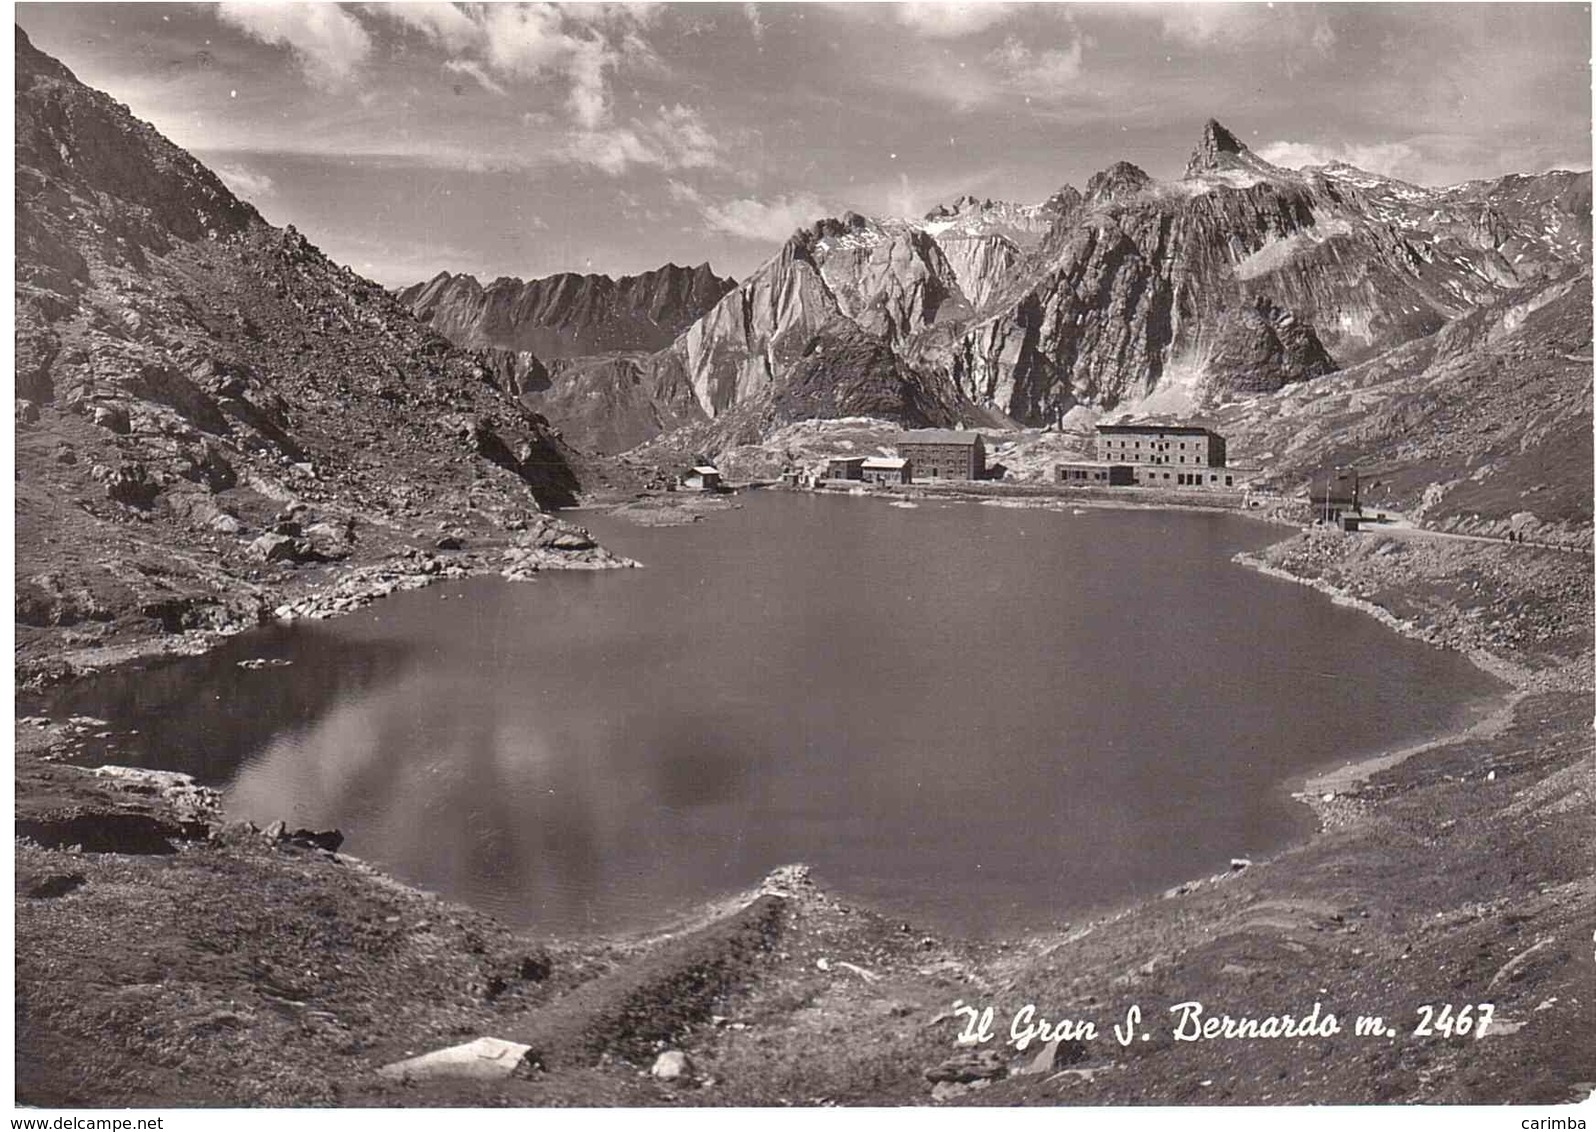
1065, 200
1217, 149
1119, 181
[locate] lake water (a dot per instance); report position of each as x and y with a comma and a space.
987, 720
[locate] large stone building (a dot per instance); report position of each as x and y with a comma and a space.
1167, 455
943, 454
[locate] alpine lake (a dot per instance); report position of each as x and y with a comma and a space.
986, 720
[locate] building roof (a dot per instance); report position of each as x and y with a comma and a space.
885, 463
706, 470
938, 436
1093, 464
845, 459
1154, 426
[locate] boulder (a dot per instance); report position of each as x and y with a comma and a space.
553, 534
132, 485
570, 540
224, 524
330, 541
486, 1059
1055, 1053
328, 839
279, 548
114, 418
671, 1065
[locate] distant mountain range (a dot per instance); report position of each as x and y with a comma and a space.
568, 316
1241, 277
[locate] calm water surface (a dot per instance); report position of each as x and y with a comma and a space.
988, 720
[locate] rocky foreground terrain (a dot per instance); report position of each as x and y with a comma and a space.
210, 414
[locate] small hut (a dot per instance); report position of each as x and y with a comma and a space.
702, 477
886, 469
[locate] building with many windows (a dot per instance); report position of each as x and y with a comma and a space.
1155, 455
943, 454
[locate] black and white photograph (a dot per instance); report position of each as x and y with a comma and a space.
886, 556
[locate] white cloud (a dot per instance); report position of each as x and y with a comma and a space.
771, 221
951, 21
683, 193
522, 40
1300, 30
581, 43
443, 23
676, 138
629, 15
589, 100
328, 42
1202, 24
1393, 159
244, 182
474, 69
1046, 73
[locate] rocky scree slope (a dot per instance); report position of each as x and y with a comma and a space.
206, 402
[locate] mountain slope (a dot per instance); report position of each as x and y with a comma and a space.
189, 375
567, 316
1152, 283
1484, 427
1241, 277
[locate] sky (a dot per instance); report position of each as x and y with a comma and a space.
406, 139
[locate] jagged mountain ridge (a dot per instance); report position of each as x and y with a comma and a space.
1150, 283
568, 315
1238, 278
186, 371
1242, 276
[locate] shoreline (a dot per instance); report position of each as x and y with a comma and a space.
1514, 675
1305, 788
341, 590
